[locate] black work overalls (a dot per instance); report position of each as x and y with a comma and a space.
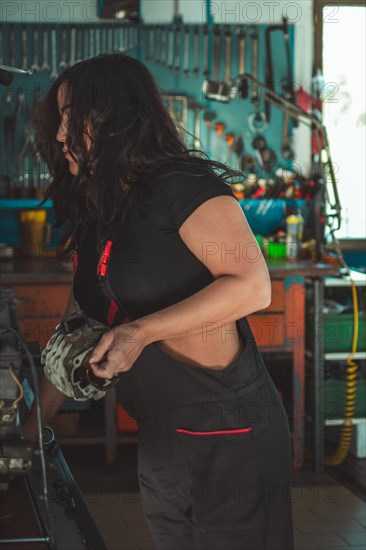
214, 457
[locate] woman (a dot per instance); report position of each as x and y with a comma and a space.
166, 258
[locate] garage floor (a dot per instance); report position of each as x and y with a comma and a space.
327, 515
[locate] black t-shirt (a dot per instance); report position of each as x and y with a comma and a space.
150, 267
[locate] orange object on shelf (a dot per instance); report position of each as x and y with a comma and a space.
125, 423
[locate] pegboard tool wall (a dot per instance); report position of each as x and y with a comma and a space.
174, 81
24, 46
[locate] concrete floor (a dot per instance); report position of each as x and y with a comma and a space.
327, 515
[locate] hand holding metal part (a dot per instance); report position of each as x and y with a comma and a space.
66, 358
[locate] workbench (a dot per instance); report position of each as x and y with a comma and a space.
281, 328
43, 287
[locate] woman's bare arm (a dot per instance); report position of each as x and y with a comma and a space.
218, 234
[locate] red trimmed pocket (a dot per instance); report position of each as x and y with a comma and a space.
226, 486
218, 432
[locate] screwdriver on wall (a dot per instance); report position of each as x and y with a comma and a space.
219, 129
229, 138
208, 117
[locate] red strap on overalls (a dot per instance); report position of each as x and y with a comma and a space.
75, 260
101, 272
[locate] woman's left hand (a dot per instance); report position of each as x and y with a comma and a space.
117, 350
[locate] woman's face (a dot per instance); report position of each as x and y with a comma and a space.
64, 110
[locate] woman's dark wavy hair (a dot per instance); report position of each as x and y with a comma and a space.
132, 135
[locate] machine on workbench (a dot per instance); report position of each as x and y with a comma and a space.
36, 484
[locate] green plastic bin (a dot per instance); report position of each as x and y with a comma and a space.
338, 332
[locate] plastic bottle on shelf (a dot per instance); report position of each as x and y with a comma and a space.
294, 232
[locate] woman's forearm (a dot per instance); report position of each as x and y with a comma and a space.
226, 299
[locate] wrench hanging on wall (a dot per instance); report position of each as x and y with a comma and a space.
63, 64
214, 89
45, 66
186, 50
228, 41
24, 49
54, 73
35, 65
255, 48
158, 44
241, 41
287, 82
205, 68
196, 40
178, 41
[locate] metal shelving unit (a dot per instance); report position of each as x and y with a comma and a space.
318, 357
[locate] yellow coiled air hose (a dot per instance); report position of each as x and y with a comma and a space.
351, 386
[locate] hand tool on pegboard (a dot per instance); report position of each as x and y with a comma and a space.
257, 122
109, 40
178, 47
186, 49
286, 149
11, 55
229, 138
24, 49
209, 117
131, 38
196, 51
241, 34
245, 161
79, 45
151, 42
196, 108
86, 42
103, 40
266, 156
286, 82
219, 128
145, 30
171, 52
45, 68
116, 45
121, 41
97, 41
216, 89
255, 53
54, 52
158, 34
177, 28
205, 60
238, 148
92, 41
72, 52
35, 65
228, 47
217, 53
63, 54
163, 44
